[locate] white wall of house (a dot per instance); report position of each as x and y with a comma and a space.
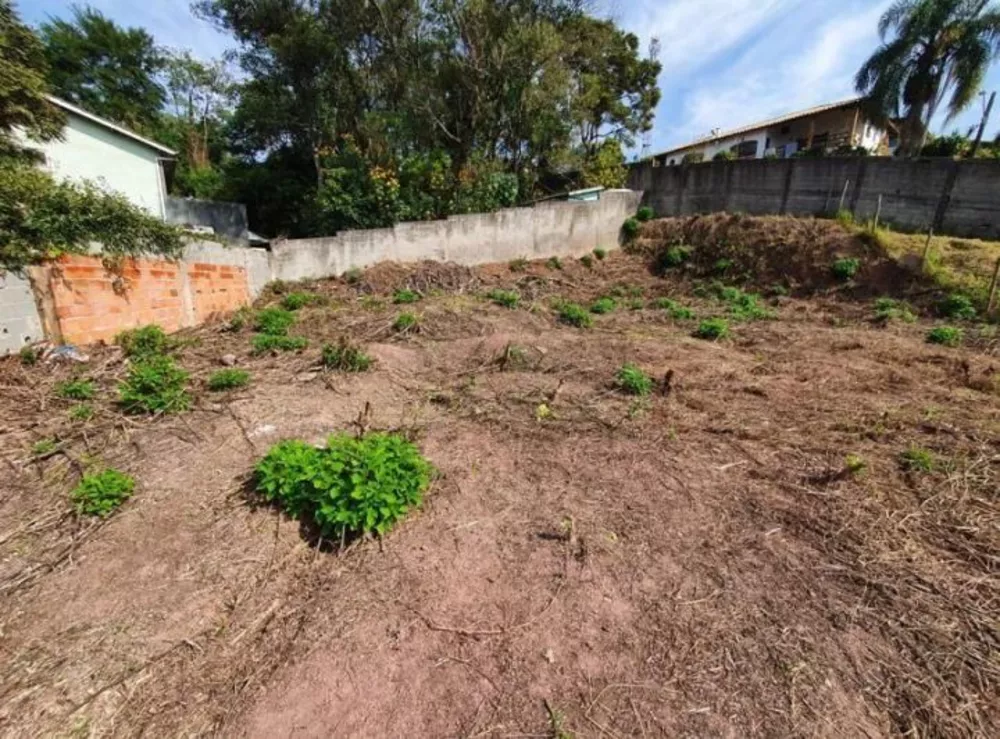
90, 151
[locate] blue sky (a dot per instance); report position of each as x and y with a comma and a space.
725, 62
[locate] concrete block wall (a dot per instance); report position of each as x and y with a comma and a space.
20, 322
961, 198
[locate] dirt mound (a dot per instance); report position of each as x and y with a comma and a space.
423, 277
797, 253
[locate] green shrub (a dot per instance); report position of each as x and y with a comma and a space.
228, 379
917, 459
154, 385
587, 261
957, 306
945, 336
854, 464
630, 229
506, 298
76, 390
345, 357
353, 276
405, 322
724, 156
675, 309
240, 319
297, 300
100, 494
887, 309
405, 296
351, 486
844, 217
846, 268
603, 305
712, 329
147, 341
574, 315
554, 263
43, 447
81, 412
518, 265
274, 321
632, 380
645, 213
28, 356
743, 306
267, 343
671, 258
601, 253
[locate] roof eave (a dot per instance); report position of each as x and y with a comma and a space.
65, 105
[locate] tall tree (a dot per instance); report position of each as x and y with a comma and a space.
930, 49
106, 69
199, 97
23, 85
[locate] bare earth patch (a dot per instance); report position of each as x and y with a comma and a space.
698, 563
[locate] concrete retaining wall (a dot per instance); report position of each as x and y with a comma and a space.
546, 230
20, 324
961, 198
228, 220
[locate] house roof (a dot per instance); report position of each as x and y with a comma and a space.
764, 124
69, 107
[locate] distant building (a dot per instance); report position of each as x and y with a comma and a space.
826, 127
93, 148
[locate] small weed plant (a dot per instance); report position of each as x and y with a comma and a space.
506, 298
645, 213
405, 296
743, 306
854, 465
76, 389
573, 314
518, 265
587, 261
554, 263
844, 217
671, 258
846, 268
603, 305
712, 329
633, 381
722, 266
601, 253
352, 486
674, 309
28, 356
630, 229
43, 446
240, 319
228, 379
274, 321
957, 307
945, 336
295, 301
887, 309
917, 459
353, 276
268, 343
155, 385
405, 322
345, 357
81, 412
100, 494
147, 341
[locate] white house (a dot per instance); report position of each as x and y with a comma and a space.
93, 148
824, 127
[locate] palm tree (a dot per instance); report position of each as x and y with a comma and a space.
929, 48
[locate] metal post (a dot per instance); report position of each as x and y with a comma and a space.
927, 250
843, 195
982, 125
991, 304
878, 212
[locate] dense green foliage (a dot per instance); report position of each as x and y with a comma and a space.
742, 306
78, 389
402, 297
917, 459
601, 253
345, 357
674, 309
574, 314
351, 486
603, 305
670, 258
632, 380
888, 309
712, 329
506, 298
630, 228
845, 268
101, 493
296, 300
645, 213
228, 379
154, 384
405, 322
945, 336
956, 305
267, 343
143, 342
274, 321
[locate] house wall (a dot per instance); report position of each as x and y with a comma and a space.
88, 151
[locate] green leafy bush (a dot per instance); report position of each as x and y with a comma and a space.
76, 389
957, 306
405, 322
228, 379
844, 217
42, 217
675, 309
887, 309
854, 464
352, 486
353, 276
506, 298
743, 306
147, 341
43, 447
345, 357
631, 228
554, 263
712, 329
574, 315
601, 253
645, 213
846, 268
267, 343
405, 296
917, 459
100, 494
81, 412
945, 336
295, 301
28, 356
632, 380
274, 321
671, 258
154, 384
725, 155
587, 261
603, 305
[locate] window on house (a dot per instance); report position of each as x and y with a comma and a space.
786, 129
745, 149
767, 143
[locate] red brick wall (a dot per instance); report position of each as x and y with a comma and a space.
87, 303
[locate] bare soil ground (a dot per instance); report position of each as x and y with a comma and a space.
700, 564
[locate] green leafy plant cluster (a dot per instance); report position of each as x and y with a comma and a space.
345, 357
554, 263
671, 258
506, 298
631, 228
82, 412
267, 343
601, 253
603, 305
100, 494
712, 329
274, 321
957, 306
645, 213
574, 314
846, 268
228, 379
632, 380
43, 447
78, 389
296, 300
155, 384
587, 261
674, 309
272, 325
518, 265
351, 486
146, 341
917, 459
945, 336
742, 306
28, 356
887, 309
405, 296
405, 322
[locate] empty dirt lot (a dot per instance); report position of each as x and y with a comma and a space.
706, 562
